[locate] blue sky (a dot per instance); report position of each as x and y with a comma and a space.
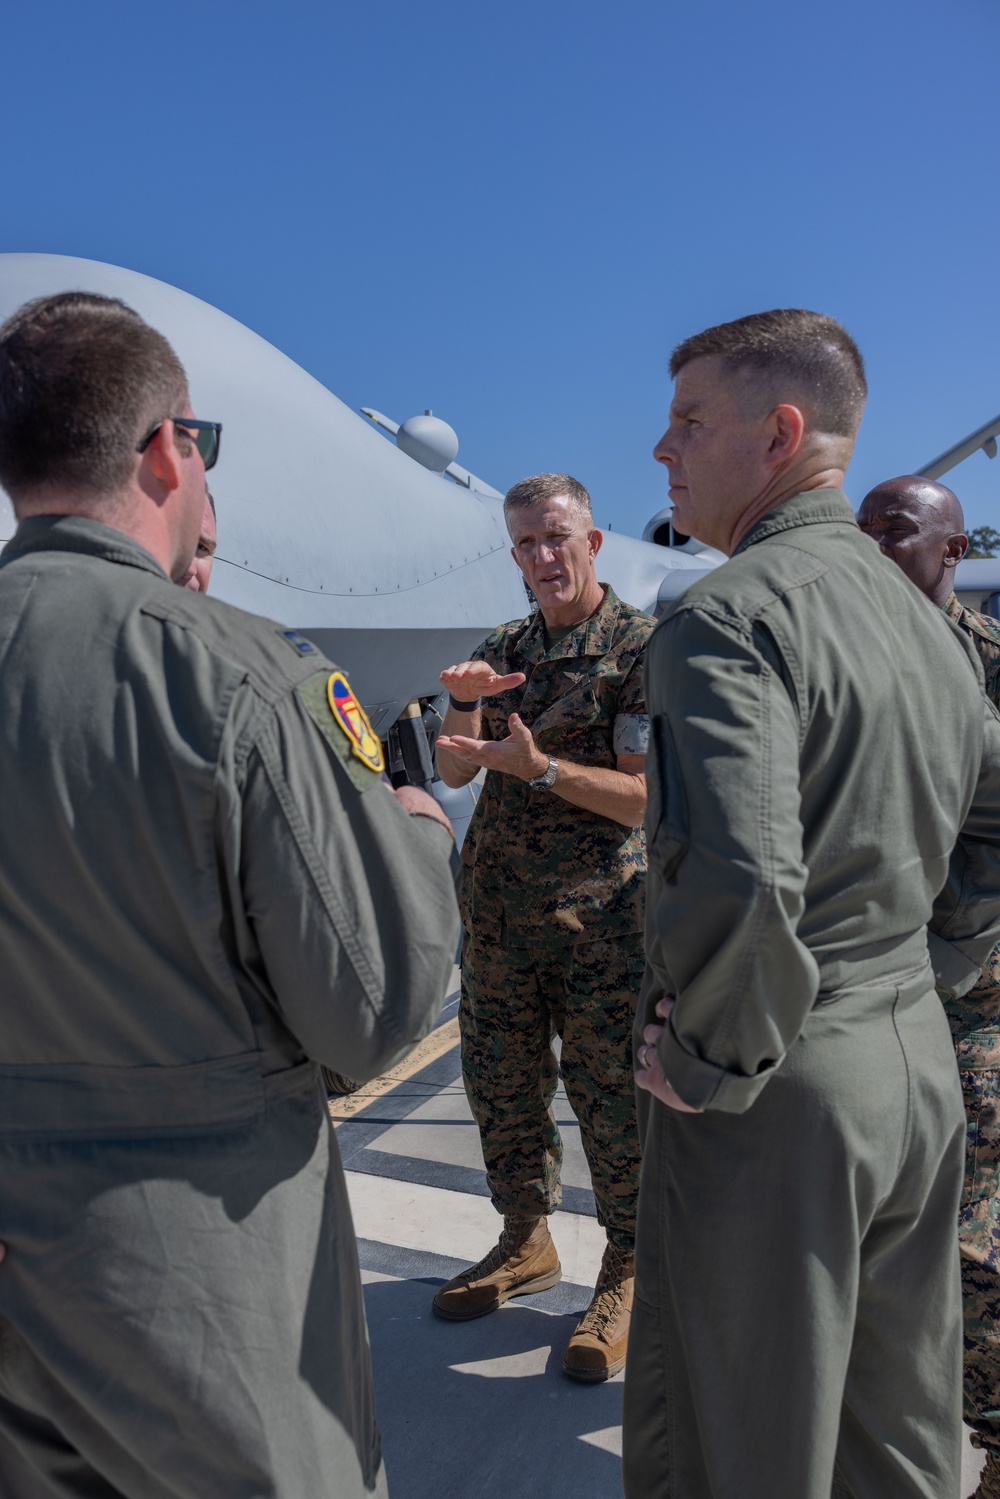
511, 213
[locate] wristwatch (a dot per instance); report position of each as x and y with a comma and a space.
547, 777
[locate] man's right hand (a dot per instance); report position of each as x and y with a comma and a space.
471, 679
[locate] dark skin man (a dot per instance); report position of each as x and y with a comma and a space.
919, 525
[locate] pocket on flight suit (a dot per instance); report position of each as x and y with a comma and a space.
667, 826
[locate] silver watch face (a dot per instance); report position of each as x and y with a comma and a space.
547, 776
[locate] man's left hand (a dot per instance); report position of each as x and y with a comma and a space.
518, 755
649, 1073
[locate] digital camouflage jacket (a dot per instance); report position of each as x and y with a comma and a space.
981, 1007
984, 633
539, 871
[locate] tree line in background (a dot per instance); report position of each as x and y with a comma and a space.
983, 542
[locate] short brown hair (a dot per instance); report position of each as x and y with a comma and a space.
82, 379
790, 348
542, 487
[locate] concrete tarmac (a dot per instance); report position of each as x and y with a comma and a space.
482, 1406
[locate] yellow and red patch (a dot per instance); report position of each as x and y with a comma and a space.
354, 721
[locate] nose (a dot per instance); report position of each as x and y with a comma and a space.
665, 450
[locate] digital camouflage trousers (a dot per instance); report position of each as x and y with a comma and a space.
979, 1233
514, 1001
975, 1030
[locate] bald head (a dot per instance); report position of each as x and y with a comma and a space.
919, 525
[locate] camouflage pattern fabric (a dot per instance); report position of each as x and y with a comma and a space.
513, 1002
540, 872
975, 1027
984, 633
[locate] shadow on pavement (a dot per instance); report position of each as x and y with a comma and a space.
505, 1421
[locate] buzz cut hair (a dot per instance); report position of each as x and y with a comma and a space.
542, 487
789, 352
83, 378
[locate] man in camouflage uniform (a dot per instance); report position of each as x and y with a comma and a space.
553, 707
920, 525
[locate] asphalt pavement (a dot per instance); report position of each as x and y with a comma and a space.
473, 1407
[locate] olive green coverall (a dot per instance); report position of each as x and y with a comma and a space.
204, 892
797, 1298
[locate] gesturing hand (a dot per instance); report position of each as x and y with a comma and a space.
471, 679
517, 755
649, 1072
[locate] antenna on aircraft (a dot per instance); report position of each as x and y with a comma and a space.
983, 437
429, 440
433, 444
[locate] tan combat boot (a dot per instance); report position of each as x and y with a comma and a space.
989, 1480
597, 1349
525, 1260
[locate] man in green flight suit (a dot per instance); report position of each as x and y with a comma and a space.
552, 706
205, 890
797, 1322
919, 524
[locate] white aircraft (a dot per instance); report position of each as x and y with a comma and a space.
390, 556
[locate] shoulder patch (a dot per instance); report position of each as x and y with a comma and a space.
298, 642
339, 716
353, 719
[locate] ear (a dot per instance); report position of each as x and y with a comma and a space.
159, 465
595, 539
956, 549
787, 429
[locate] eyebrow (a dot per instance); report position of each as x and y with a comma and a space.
684, 409
556, 529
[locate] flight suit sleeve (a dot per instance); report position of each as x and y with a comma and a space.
726, 876
965, 925
351, 900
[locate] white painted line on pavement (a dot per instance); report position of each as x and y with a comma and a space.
439, 1221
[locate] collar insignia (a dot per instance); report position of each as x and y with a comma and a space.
354, 721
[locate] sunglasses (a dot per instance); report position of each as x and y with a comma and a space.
205, 435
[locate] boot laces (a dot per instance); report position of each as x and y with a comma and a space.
609, 1294
511, 1238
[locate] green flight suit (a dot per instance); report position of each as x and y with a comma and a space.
204, 892
975, 1029
797, 1300
552, 905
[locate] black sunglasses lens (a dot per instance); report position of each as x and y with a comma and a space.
207, 442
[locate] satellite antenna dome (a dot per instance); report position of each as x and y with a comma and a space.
429, 440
